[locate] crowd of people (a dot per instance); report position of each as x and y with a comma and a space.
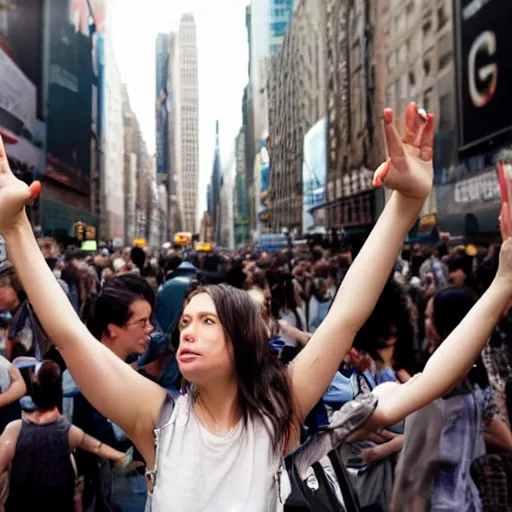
305, 379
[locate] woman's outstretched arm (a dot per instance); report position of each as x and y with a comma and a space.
409, 172
452, 361
113, 388
16, 390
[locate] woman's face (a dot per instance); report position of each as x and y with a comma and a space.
391, 339
430, 330
205, 353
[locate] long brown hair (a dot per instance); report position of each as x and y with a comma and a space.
264, 388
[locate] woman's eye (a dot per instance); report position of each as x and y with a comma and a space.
208, 321
183, 324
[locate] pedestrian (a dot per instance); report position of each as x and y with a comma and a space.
38, 448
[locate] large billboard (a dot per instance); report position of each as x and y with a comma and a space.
483, 40
314, 171
17, 102
70, 100
263, 159
21, 26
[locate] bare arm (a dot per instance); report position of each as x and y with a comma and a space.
315, 367
79, 439
498, 434
113, 388
8, 441
452, 360
383, 450
292, 332
16, 390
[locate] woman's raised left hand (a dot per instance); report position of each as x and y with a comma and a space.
409, 169
14, 195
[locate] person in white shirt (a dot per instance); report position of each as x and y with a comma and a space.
219, 445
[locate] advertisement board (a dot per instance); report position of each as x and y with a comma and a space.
483, 40
472, 194
21, 32
70, 84
18, 99
263, 161
314, 171
265, 169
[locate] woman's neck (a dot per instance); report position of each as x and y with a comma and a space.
43, 417
386, 356
217, 408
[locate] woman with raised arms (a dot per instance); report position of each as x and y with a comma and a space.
218, 446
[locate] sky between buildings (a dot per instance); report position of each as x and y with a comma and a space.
223, 61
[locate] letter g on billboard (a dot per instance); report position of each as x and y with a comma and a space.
485, 42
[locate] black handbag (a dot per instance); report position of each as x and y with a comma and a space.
315, 470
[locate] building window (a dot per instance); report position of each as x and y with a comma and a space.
427, 66
446, 110
442, 18
445, 51
412, 79
444, 60
427, 100
427, 33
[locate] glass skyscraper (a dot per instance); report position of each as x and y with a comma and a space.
280, 19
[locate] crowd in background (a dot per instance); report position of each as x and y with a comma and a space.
430, 291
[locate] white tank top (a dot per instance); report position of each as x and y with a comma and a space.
197, 471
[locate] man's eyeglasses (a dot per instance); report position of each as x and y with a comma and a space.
143, 322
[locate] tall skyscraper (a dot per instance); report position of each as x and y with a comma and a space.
267, 23
172, 187
215, 186
162, 138
280, 19
187, 123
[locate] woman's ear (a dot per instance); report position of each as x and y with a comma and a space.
112, 331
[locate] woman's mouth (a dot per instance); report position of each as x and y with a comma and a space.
187, 355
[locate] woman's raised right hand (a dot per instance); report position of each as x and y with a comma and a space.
505, 266
14, 195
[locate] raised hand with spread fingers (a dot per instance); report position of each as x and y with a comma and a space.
409, 171
14, 195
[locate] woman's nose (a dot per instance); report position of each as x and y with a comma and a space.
187, 333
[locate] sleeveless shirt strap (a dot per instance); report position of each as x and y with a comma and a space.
165, 411
163, 418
